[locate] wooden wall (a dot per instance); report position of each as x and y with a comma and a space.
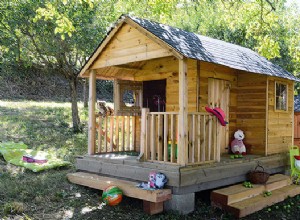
267, 131
297, 128
129, 45
251, 109
279, 124
201, 72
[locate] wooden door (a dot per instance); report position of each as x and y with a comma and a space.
219, 96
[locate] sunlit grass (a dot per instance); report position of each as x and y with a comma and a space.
41, 104
43, 126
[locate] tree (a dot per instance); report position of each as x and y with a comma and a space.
60, 35
269, 27
54, 35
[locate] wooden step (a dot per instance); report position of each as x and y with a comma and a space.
236, 193
129, 188
152, 199
256, 203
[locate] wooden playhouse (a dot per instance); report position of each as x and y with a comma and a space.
164, 78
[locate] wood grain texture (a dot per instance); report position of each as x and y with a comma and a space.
129, 45
129, 188
242, 201
92, 117
280, 123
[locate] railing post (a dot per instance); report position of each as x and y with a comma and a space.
218, 144
143, 149
92, 116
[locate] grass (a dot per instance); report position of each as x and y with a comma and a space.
48, 194
43, 125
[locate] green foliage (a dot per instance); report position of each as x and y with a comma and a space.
60, 35
269, 27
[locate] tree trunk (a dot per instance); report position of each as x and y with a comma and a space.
85, 93
75, 115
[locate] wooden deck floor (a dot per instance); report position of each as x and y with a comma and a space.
185, 179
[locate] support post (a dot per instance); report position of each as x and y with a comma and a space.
92, 116
183, 114
143, 149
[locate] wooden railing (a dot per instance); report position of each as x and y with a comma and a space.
116, 134
159, 137
203, 138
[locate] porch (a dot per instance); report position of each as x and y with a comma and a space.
181, 179
154, 137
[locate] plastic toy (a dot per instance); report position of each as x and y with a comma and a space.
112, 195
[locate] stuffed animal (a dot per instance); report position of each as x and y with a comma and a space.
157, 180
237, 145
160, 181
152, 179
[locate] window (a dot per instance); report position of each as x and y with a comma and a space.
128, 97
281, 96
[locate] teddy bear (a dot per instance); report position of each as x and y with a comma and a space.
237, 145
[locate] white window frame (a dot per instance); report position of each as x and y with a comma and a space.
281, 107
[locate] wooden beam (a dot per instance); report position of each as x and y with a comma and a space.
126, 67
117, 98
267, 117
198, 86
128, 188
92, 116
112, 75
183, 114
144, 145
135, 57
153, 76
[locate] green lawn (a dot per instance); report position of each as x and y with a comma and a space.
43, 125
48, 194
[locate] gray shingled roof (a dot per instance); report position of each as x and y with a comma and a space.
211, 50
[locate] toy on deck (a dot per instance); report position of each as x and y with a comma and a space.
219, 113
156, 181
237, 145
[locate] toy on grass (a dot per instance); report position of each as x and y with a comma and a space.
112, 195
237, 145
